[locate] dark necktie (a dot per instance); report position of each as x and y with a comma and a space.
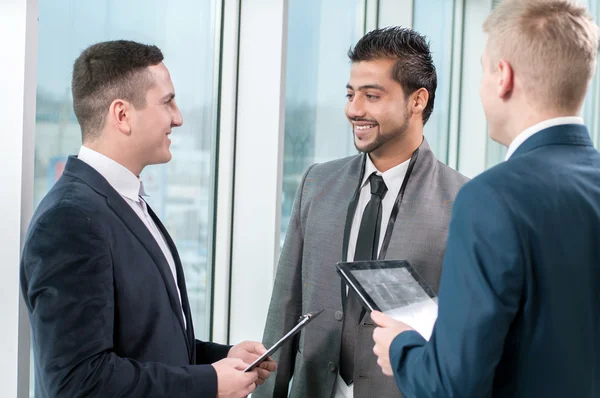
366, 249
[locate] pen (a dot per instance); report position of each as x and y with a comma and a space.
308, 316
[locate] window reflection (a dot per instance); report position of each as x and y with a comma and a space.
180, 191
316, 130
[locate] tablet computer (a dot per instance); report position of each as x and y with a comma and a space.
302, 322
395, 288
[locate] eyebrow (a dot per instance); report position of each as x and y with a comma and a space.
168, 97
366, 87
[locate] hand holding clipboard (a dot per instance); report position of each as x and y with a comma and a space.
303, 321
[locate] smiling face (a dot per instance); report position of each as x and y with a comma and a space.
151, 125
377, 105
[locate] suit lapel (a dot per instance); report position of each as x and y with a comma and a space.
137, 227
421, 181
82, 171
180, 282
350, 213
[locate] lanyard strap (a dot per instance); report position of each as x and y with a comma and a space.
391, 222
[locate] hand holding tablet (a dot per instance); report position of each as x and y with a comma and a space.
395, 288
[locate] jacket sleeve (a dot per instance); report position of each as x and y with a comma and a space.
286, 303
67, 283
207, 352
480, 293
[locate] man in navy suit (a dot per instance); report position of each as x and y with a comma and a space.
519, 298
101, 277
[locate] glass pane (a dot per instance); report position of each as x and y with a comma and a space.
320, 32
434, 19
592, 100
181, 192
495, 153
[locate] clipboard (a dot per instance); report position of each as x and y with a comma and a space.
302, 322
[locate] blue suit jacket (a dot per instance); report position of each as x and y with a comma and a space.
519, 299
105, 315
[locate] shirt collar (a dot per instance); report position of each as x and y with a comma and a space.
117, 175
536, 128
142, 190
393, 177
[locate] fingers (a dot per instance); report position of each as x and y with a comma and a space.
386, 367
253, 375
250, 389
250, 358
259, 348
254, 347
383, 364
377, 350
252, 379
381, 319
383, 359
238, 364
251, 351
377, 332
262, 375
269, 365
376, 316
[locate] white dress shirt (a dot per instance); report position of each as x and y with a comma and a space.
393, 179
131, 189
536, 128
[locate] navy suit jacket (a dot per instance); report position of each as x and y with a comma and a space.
519, 299
105, 316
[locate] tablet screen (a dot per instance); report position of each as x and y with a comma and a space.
396, 289
390, 288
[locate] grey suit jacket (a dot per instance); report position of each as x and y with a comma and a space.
306, 277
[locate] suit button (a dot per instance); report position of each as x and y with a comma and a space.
339, 315
333, 367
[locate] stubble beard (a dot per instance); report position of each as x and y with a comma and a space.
382, 138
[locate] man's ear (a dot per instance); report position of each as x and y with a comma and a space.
418, 101
506, 78
119, 114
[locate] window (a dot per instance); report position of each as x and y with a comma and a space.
316, 129
181, 192
434, 19
592, 100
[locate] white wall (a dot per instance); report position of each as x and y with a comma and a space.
472, 134
226, 163
258, 164
18, 41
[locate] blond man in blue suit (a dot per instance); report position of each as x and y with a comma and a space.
519, 297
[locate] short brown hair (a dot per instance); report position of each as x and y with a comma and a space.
551, 44
107, 71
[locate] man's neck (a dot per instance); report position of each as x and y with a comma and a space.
117, 155
520, 125
387, 157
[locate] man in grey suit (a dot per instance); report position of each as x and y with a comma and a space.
393, 201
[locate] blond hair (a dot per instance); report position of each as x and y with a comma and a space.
551, 46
